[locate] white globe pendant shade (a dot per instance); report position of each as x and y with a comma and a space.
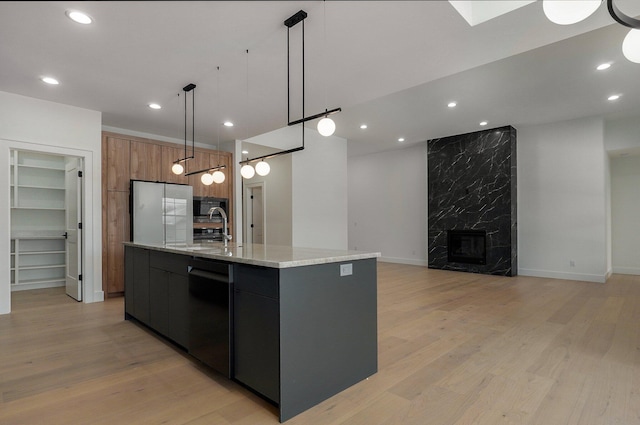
567, 12
247, 171
206, 179
262, 168
177, 168
631, 46
326, 126
218, 177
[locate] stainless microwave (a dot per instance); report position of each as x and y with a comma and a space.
202, 205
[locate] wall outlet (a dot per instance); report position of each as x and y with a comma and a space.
346, 269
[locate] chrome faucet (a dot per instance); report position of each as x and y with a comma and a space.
225, 236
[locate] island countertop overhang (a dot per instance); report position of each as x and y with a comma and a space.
273, 256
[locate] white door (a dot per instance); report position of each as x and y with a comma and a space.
73, 233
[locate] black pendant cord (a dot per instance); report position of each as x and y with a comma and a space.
622, 18
185, 128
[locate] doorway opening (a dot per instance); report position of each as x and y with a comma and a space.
46, 221
254, 216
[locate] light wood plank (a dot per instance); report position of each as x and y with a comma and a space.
454, 348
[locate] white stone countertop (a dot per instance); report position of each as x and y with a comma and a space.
274, 256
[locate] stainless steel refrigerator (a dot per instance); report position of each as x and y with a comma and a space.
161, 213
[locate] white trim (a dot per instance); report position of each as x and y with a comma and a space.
410, 261
626, 270
563, 275
92, 242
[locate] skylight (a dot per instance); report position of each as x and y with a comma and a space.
477, 12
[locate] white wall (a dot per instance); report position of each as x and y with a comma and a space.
32, 124
388, 204
625, 211
319, 192
277, 199
310, 196
562, 200
623, 134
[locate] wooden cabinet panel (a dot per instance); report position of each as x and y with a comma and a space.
117, 164
146, 161
117, 232
127, 157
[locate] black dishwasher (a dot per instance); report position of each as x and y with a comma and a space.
210, 313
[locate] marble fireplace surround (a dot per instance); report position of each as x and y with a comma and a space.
472, 186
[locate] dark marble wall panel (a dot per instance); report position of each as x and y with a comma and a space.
472, 185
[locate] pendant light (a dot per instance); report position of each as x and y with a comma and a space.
631, 46
177, 167
213, 174
247, 171
566, 12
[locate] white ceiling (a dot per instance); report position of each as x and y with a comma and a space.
393, 65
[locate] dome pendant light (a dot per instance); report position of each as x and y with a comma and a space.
567, 12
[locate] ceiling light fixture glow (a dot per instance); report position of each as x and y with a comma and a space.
401, 139
245, 152
206, 179
228, 124
262, 168
452, 104
631, 46
483, 123
247, 171
363, 126
567, 12
50, 80
326, 126
218, 177
603, 66
79, 17
613, 97
154, 106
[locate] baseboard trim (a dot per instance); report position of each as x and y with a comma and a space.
563, 275
408, 261
626, 270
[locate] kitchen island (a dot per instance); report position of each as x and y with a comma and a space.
295, 325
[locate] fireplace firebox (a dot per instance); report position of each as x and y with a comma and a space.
467, 246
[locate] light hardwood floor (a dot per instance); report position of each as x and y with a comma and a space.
454, 348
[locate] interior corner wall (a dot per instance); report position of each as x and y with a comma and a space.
319, 192
277, 200
562, 200
28, 123
625, 211
388, 204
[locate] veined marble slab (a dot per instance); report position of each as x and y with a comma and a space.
274, 256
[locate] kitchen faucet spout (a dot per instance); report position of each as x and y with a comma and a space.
226, 237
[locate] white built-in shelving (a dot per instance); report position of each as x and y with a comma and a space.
37, 220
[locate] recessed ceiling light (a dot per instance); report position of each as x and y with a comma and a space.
154, 106
50, 80
603, 66
614, 97
452, 104
363, 126
483, 123
401, 139
79, 17
228, 124
245, 152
